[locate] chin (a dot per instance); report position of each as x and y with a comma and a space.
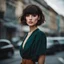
30, 25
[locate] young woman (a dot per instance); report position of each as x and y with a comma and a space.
33, 48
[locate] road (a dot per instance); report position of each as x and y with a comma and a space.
16, 59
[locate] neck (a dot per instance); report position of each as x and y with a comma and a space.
33, 28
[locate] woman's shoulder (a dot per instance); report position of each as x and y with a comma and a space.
41, 33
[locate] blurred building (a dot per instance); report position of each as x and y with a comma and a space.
9, 20
2, 11
9, 23
62, 25
54, 21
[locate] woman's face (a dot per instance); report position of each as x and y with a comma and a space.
32, 20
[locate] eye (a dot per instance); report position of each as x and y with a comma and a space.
34, 15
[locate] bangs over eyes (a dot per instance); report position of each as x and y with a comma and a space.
31, 10
31, 14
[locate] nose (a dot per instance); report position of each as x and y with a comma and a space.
30, 16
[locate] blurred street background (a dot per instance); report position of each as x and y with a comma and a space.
12, 31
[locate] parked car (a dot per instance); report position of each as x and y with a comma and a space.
61, 42
50, 46
6, 48
18, 44
15, 41
53, 45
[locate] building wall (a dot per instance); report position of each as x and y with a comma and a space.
52, 24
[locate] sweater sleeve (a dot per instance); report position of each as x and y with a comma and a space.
41, 45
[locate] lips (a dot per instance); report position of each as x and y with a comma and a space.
30, 22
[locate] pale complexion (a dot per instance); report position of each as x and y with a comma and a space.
31, 20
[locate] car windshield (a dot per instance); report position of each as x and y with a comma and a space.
55, 41
3, 44
49, 43
61, 41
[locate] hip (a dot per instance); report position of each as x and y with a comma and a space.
27, 61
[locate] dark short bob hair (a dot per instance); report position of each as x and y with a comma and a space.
32, 9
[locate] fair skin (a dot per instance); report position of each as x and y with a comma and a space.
41, 59
31, 20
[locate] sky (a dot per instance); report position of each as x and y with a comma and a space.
57, 5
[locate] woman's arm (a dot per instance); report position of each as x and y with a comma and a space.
41, 59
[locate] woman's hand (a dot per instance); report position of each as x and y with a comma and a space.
41, 59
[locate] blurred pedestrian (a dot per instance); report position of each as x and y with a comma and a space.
33, 48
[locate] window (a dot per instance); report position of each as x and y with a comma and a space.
3, 44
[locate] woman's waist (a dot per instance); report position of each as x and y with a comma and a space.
27, 61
